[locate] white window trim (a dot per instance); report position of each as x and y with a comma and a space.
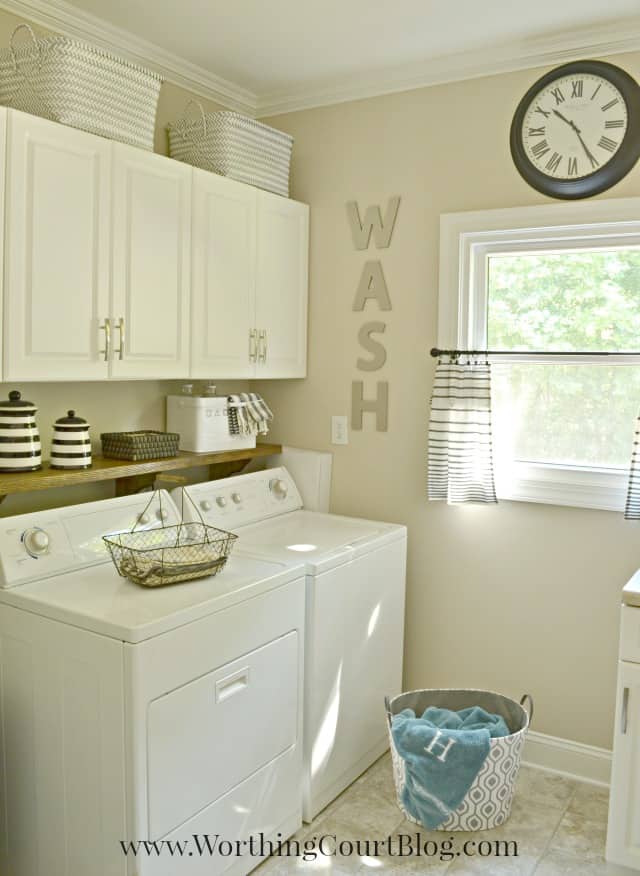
466, 240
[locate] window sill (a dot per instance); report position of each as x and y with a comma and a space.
603, 489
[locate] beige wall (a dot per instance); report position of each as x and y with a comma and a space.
518, 597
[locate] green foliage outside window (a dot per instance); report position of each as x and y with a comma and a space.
590, 300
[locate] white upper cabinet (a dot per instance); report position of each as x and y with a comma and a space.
4, 115
281, 286
223, 343
56, 252
249, 304
151, 264
123, 264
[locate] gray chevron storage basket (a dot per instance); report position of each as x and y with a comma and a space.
80, 85
233, 145
487, 803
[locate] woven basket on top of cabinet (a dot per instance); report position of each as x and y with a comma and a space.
233, 145
80, 85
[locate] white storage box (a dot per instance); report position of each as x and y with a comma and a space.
203, 424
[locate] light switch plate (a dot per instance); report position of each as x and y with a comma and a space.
339, 430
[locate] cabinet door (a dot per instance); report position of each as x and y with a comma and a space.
151, 265
4, 115
623, 837
282, 286
57, 251
223, 291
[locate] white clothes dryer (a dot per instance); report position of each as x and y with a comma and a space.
131, 714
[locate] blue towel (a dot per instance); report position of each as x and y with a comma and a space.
443, 752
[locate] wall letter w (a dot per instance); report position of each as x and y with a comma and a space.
373, 221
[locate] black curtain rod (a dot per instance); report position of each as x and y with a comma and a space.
436, 352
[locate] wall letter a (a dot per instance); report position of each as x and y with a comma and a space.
372, 285
382, 230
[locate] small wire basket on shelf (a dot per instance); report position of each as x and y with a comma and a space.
170, 554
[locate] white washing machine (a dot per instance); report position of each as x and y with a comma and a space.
355, 591
134, 714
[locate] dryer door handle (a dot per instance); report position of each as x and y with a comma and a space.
232, 684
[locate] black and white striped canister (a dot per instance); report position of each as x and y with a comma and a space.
20, 448
71, 444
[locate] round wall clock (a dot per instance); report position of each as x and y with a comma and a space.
576, 132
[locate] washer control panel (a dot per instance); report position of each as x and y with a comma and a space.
237, 501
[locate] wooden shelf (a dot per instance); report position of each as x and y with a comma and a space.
131, 476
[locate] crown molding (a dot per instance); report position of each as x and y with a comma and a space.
558, 48
64, 18
547, 51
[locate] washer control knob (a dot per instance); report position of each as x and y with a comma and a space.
205, 505
162, 514
221, 501
36, 542
279, 488
143, 519
236, 497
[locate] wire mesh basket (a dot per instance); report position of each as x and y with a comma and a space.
170, 554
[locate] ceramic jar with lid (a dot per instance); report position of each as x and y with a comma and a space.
20, 448
71, 444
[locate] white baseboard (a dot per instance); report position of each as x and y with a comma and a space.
565, 757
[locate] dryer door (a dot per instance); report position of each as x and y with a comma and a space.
209, 735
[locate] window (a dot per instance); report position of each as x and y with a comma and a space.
560, 278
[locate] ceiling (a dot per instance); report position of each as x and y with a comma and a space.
284, 54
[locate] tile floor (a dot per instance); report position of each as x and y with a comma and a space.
558, 824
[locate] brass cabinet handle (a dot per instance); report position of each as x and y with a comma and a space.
106, 328
262, 344
253, 350
120, 350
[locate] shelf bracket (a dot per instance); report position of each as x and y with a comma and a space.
134, 484
225, 469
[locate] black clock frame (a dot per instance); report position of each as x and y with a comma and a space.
609, 174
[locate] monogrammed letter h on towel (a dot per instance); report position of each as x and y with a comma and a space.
443, 751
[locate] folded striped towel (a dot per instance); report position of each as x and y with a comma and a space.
249, 414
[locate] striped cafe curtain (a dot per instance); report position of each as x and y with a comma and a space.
460, 458
632, 507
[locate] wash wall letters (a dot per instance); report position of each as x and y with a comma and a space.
372, 287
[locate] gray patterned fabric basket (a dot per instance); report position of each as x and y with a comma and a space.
82, 86
488, 800
235, 146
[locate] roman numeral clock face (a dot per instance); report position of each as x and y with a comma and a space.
572, 135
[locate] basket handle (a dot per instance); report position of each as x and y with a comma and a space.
34, 40
182, 121
184, 492
387, 708
528, 699
155, 493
